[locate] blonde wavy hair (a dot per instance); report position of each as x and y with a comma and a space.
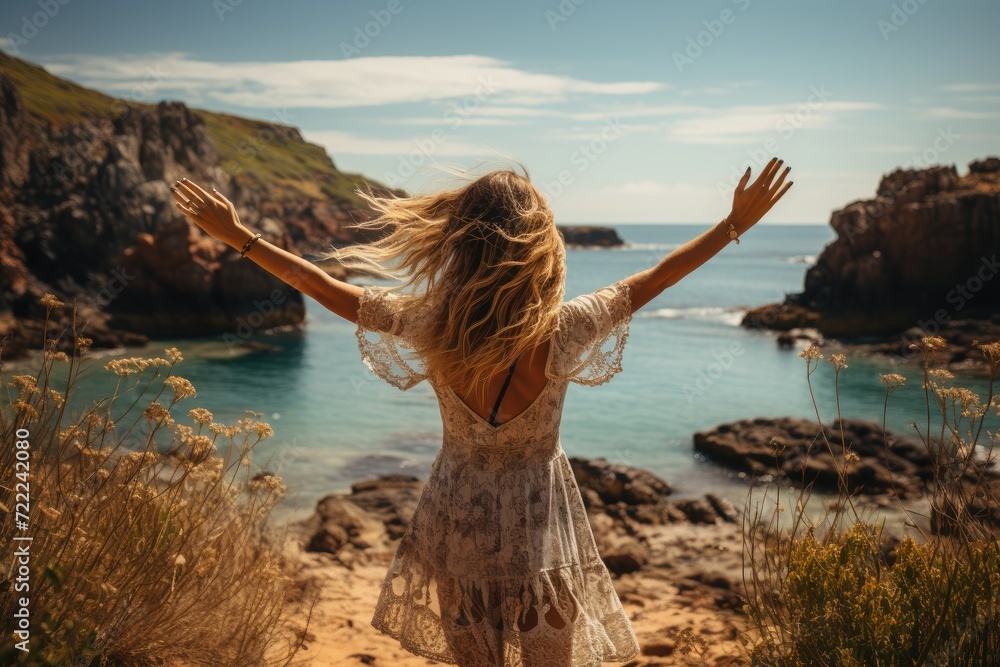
490, 264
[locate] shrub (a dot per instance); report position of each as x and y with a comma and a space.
140, 554
833, 591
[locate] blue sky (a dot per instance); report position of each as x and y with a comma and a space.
622, 111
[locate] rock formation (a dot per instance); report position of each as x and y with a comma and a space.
86, 213
590, 236
918, 259
620, 500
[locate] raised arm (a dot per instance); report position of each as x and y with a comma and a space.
217, 216
750, 204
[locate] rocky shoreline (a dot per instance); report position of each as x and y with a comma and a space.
676, 564
916, 260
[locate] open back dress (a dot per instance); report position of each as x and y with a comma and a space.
500, 535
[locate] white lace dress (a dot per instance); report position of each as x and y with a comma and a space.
498, 566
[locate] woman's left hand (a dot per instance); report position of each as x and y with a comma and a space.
212, 212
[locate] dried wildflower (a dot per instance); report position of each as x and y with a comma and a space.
266, 480
263, 429
174, 354
49, 300
103, 473
156, 413
182, 387
991, 351
56, 397
184, 433
25, 383
28, 410
51, 512
121, 367
200, 416
811, 352
839, 361
201, 446
84, 343
965, 399
941, 374
141, 460
933, 343
55, 355
892, 379
851, 456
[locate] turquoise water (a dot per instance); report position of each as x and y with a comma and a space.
687, 367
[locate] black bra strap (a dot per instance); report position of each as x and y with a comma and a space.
510, 373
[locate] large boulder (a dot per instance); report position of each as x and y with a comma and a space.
919, 258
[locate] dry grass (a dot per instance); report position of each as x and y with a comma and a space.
149, 548
833, 591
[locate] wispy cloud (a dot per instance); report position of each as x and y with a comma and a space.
346, 143
972, 87
356, 82
950, 112
737, 124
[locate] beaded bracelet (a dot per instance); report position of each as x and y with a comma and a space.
250, 242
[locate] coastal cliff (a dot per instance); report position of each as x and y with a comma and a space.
86, 212
918, 259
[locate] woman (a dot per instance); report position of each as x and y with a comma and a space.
498, 565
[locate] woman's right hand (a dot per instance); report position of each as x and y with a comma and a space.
750, 204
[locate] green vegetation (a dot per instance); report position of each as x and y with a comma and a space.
834, 592
251, 151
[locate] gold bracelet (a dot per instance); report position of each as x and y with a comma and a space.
731, 230
250, 242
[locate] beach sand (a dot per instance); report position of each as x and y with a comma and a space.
689, 583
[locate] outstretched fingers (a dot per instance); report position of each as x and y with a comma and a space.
781, 193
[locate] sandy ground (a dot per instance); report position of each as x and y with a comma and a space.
676, 601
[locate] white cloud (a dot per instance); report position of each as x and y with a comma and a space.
347, 143
950, 112
972, 87
358, 82
889, 148
738, 124
635, 188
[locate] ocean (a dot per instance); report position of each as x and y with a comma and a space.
687, 366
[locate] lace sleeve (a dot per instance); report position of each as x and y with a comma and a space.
590, 323
379, 314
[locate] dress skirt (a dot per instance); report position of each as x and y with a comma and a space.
499, 567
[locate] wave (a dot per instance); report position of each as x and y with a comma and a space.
630, 245
728, 316
801, 259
